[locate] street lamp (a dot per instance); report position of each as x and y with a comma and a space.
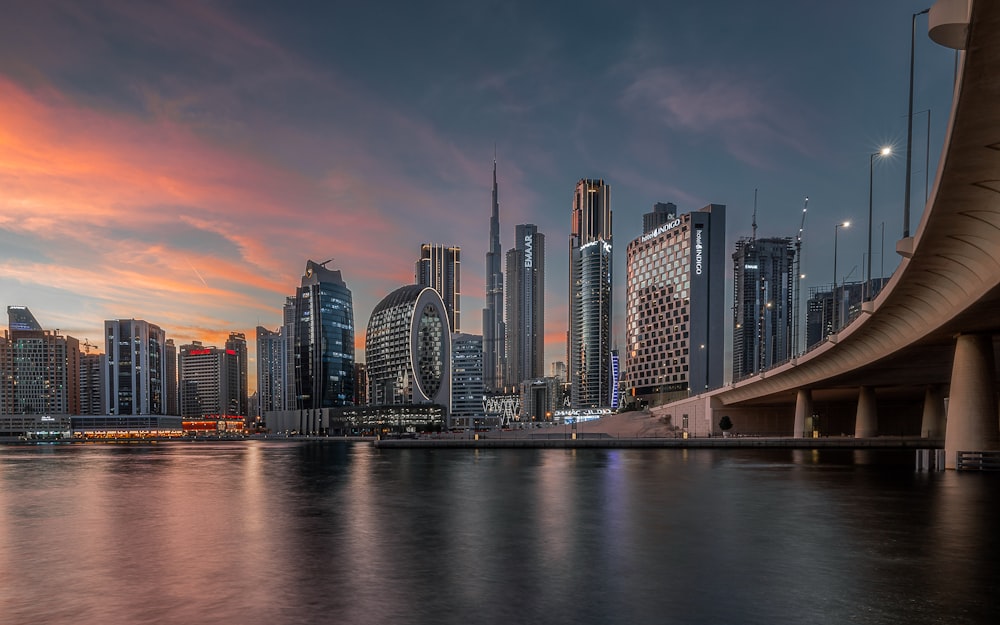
886, 151
836, 230
909, 129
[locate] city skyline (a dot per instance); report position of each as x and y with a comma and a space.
179, 163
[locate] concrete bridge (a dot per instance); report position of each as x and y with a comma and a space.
922, 357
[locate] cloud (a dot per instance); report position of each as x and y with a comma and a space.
750, 117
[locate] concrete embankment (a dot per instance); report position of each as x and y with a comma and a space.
608, 442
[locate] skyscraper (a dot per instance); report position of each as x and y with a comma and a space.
170, 366
590, 293
439, 267
271, 366
237, 344
674, 309
763, 315
526, 305
494, 330
209, 381
137, 375
324, 340
39, 369
92, 371
466, 380
290, 401
662, 213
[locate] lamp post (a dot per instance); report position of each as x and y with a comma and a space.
886, 151
927, 153
836, 230
909, 129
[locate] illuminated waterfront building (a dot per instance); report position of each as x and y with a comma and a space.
440, 268
324, 340
137, 377
467, 389
408, 349
675, 304
39, 369
590, 297
209, 381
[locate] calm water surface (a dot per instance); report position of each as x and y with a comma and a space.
271, 533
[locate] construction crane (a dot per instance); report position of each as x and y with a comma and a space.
798, 278
87, 345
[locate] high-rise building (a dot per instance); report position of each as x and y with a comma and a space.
558, 371
494, 329
271, 368
39, 369
590, 291
137, 375
763, 304
830, 308
92, 370
170, 354
324, 340
288, 336
662, 213
526, 305
209, 381
408, 349
360, 384
237, 343
467, 389
440, 268
675, 303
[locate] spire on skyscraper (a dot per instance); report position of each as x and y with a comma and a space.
494, 331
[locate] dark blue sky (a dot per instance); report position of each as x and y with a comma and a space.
179, 162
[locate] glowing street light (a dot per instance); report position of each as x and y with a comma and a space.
833, 293
886, 151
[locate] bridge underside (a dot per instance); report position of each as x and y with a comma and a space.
928, 346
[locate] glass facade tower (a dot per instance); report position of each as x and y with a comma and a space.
324, 340
590, 301
763, 307
526, 305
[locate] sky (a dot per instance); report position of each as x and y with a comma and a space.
180, 162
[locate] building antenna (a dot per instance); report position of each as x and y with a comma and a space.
754, 237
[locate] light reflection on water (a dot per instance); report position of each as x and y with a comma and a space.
266, 532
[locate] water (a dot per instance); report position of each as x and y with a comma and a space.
272, 532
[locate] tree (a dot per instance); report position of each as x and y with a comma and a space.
725, 424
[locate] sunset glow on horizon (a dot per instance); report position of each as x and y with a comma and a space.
180, 162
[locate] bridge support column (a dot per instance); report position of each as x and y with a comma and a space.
866, 421
972, 423
932, 425
803, 410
